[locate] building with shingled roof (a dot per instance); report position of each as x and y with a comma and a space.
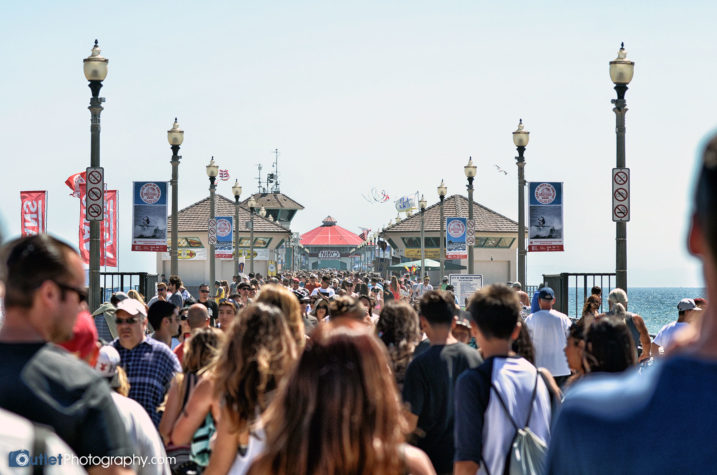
496, 239
330, 246
193, 246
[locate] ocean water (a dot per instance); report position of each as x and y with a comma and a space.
656, 305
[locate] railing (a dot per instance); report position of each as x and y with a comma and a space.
142, 282
570, 298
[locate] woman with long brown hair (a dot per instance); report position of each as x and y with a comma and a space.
339, 412
286, 301
259, 351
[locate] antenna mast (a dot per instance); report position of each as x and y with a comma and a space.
258, 165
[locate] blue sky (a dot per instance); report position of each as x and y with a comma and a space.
394, 95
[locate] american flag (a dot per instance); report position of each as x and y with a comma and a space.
224, 175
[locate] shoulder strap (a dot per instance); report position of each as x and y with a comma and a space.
39, 446
505, 407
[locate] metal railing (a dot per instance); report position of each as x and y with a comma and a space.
142, 282
573, 288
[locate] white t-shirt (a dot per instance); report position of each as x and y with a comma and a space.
549, 331
667, 333
326, 293
143, 435
17, 435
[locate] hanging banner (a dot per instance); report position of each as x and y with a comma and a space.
33, 212
456, 247
190, 248
224, 247
149, 216
546, 217
74, 182
108, 228
108, 257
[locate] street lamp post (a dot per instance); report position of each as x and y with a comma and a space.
236, 189
442, 190
95, 69
422, 204
212, 172
621, 71
175, 136
252, 207
520, 139
470, 171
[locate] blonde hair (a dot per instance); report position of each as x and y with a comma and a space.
123, 380
258, 352
281, 297
133, 294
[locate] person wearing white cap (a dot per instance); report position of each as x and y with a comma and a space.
140, 429
150, 364
687, 312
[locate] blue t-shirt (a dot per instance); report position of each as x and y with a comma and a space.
663, 421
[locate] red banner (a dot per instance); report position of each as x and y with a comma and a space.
74, 182
108, 230
33, 212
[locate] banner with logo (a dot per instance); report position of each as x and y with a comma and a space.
33, 212
225, 237
456, 247
189, 248
545, 217
149, 216
108, 229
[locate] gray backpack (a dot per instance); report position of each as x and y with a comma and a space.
527, 451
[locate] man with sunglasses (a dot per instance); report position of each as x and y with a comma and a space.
44, 281
211, 305
150, 364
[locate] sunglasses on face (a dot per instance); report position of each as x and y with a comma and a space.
128, 321
81, 293
204, 291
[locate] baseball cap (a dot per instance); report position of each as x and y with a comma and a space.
84, 336
517, 285
546, 293
445, 278
107, 363
687, 304
132, 306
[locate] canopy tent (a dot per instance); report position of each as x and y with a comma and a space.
430, 265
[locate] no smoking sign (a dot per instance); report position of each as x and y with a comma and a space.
621, 194
95, 194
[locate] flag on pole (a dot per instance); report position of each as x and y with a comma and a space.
33, 212
224, 175
74, 182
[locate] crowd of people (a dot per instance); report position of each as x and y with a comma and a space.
350, 373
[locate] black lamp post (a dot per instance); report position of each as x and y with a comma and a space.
621, 71
236, 189
95, 69
175, 136
442, 190
212, 172
252, 207
470, 170
422, 204
520, 139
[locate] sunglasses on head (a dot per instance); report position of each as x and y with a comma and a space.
128, 321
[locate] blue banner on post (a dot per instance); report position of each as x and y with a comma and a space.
149, 216
545, 217
225, 237
456, 247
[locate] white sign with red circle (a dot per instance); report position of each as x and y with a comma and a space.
150, 193
224, 227
620, 194
95, 194
456, 228
545, 193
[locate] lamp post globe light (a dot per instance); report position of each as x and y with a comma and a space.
621, 71
470, 171
236, 190
252, 207
422, 204
212, 172
520, 139
175, 137
95, 69
442, 191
